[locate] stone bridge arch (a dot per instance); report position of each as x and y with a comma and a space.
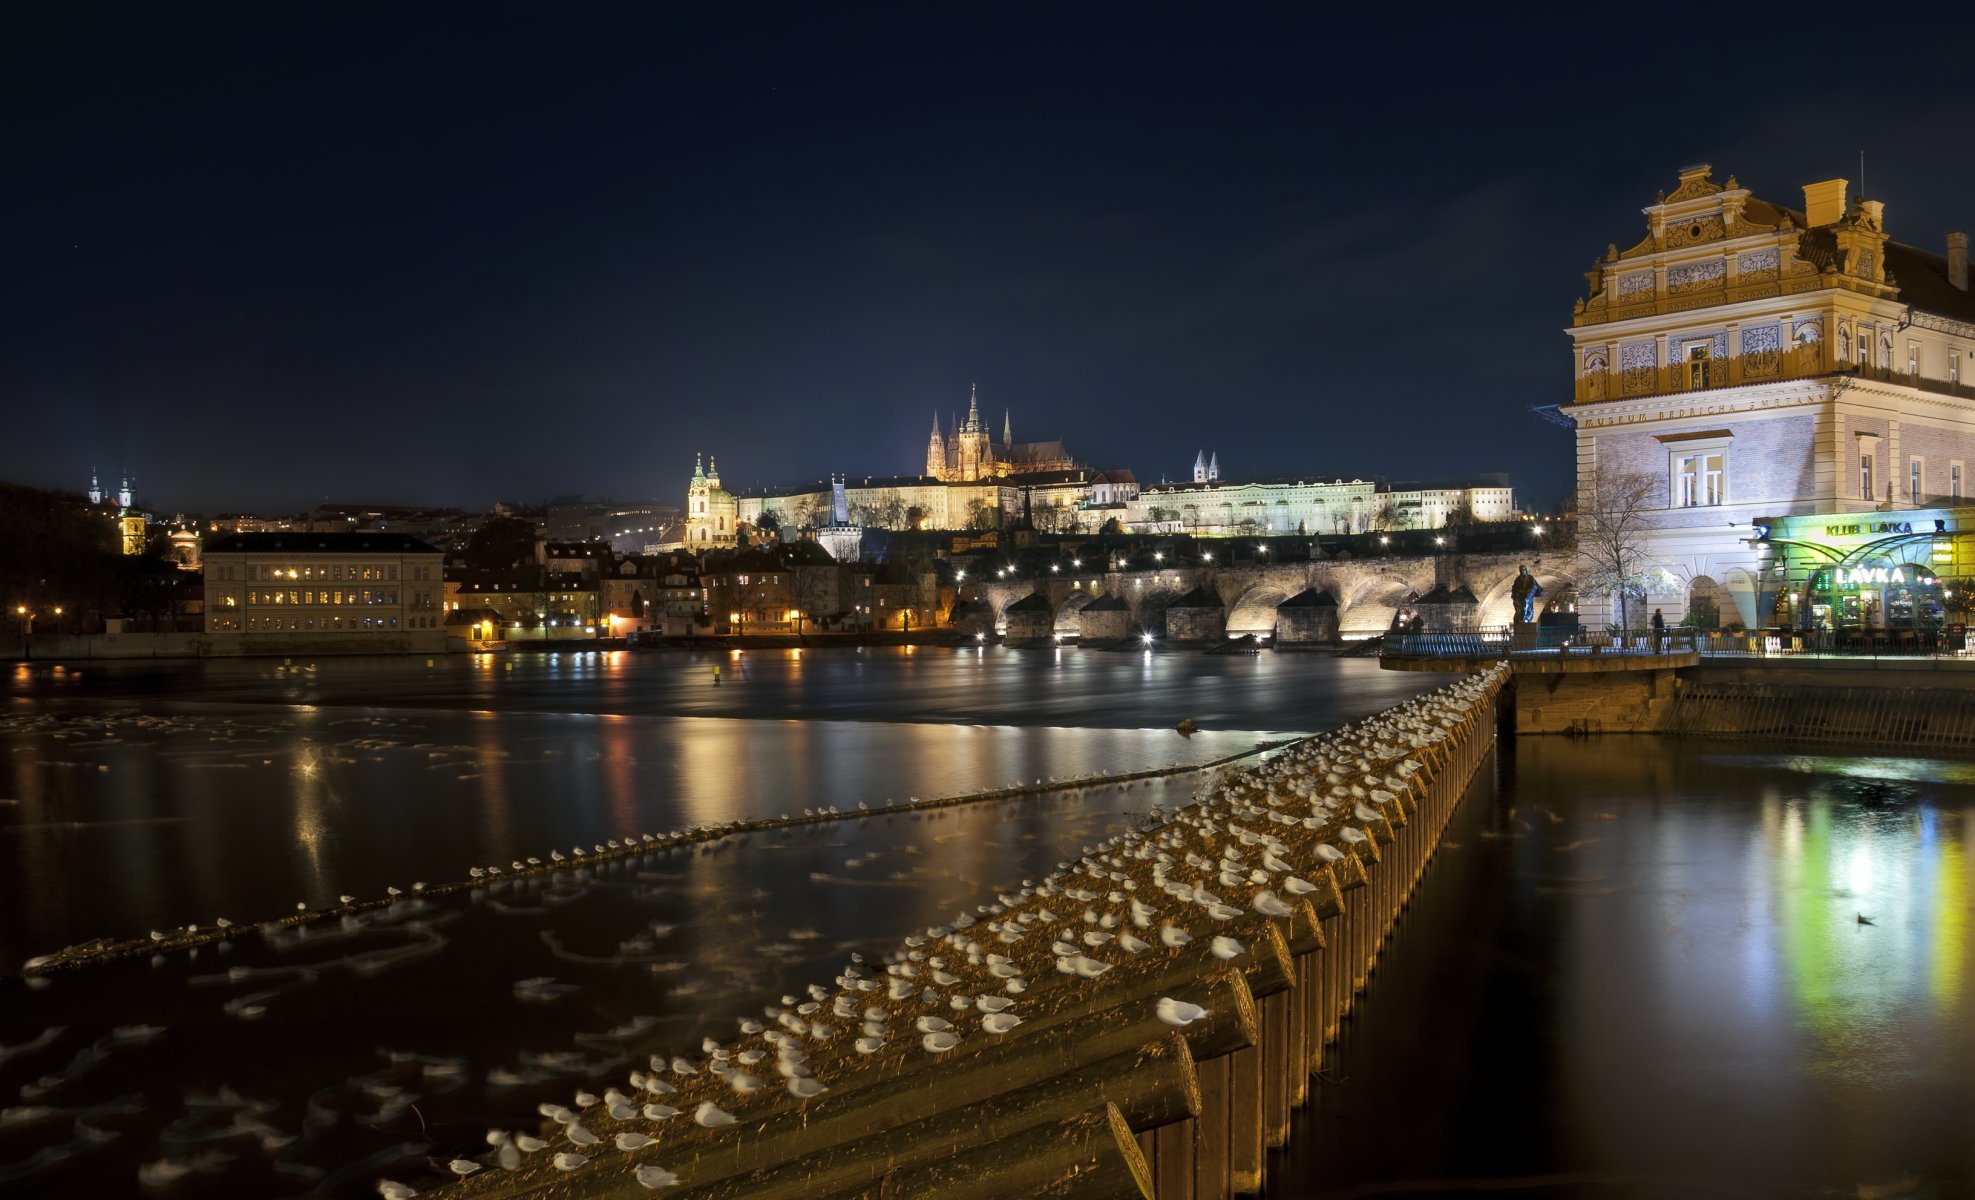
1068, 622
1149, 609
1254, 612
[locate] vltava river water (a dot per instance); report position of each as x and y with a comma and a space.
1636, 970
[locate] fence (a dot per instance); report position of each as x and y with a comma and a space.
1536, 643
1873, 716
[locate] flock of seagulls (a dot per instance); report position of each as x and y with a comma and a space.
1251, 836
1244, 849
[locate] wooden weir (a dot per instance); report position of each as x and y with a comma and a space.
1093, 1094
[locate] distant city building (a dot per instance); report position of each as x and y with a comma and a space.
324, 591
712, 517
970, 455
1213, 507
1749, 362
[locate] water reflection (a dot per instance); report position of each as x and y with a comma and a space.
1647, 960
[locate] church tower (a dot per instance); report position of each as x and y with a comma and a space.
975, 457
711, 512
1200, 467
1214, 468
936, 453
95, 488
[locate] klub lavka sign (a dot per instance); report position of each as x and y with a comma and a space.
1868, 527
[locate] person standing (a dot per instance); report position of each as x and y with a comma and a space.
1659, 631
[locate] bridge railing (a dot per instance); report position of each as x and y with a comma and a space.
1504, 642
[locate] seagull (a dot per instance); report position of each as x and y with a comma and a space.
1179, 1013
709, 1115
655, 1177
391, 1189
1863, 919
462, 1167
566, 1161
628, 1141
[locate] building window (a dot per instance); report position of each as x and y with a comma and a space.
1698, 357
1865, 476
1699, 480
1913, 358
1913, 481
1954, 366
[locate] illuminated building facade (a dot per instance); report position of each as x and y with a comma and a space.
970, 455
325, 591
1752, 361
712, 516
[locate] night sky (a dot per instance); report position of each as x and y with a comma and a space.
270, 255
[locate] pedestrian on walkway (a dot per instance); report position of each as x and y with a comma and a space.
1659, 632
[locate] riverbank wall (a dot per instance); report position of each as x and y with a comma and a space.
1142, 1023
1920, 703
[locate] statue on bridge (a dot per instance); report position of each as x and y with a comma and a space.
1524, 592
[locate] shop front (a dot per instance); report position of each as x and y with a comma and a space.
1865, 572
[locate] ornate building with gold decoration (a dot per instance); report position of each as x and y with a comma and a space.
970, 455
1745, 362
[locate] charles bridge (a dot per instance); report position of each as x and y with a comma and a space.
1324, 600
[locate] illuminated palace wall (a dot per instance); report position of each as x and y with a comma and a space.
1753, 360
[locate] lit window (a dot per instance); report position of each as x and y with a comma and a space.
1699, 480
1865, 476
1954, 480
1913, 358
1698, 356
1913, 481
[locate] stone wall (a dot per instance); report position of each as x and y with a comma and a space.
1306, 625
1189, 624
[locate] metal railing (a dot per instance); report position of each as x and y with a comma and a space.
1503, 642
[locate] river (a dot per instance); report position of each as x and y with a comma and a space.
1635, 970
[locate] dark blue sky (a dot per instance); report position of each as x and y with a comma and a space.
265, 255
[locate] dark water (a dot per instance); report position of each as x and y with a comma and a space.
1637, 970
139, 797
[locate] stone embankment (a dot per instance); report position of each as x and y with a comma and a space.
1141, 1023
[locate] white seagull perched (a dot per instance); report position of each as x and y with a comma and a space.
1179, 1013
655, 1177
710, 1115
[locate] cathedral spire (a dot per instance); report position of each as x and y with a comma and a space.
973, 408
699, 472
1007, 428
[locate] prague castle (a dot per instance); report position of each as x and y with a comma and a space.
1783, 387
969, 456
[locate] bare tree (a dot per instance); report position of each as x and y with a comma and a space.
1614, 517
813, 590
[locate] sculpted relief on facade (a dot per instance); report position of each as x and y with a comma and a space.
1637, 370
1762, 351
1758, 265
1687, 278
